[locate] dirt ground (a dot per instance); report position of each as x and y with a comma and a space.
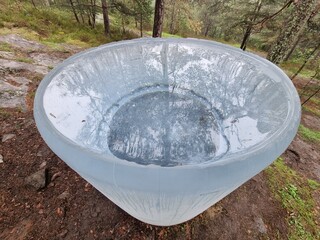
66, 207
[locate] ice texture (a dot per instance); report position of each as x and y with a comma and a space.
165, 128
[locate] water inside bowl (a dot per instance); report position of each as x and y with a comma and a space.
167, 128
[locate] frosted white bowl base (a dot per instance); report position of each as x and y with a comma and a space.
165, 128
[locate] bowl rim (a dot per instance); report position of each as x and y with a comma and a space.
293, 114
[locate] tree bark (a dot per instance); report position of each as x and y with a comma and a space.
81, 11
93, 13
171, 28
246, 38
250, 25
47, 3
303, 9
158, 18
141, 26
293, 47
74, 11
207, 30
106, 21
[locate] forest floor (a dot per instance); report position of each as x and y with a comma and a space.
281, 202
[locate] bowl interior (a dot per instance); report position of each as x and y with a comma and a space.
167, 102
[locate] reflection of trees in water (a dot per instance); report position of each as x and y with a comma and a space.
232, 84
104, 79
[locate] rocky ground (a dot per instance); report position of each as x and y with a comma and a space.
42, 198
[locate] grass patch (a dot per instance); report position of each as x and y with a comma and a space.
168, 35
5, 47
22, 31
53, 25
292, 66
315, 100
311, 110
165, 35
296, 195
308, 134
25, 60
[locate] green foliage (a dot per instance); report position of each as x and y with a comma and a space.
309, 134
296, 195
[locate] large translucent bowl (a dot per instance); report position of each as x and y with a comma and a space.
165, 128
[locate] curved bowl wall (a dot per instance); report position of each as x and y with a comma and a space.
165, 128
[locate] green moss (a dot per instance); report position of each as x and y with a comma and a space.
308, 134
296, 195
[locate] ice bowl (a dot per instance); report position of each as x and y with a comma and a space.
165, 128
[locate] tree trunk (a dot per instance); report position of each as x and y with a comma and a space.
297, 40
171, 28
303, 9
89, 18
141, 27
47, 3
81, 11
249, 26
106, 21
158, 18
292, 48
246, 38
123, 25
93, 13
207, 30
74, 11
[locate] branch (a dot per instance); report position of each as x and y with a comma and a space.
273, 15
318, 90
